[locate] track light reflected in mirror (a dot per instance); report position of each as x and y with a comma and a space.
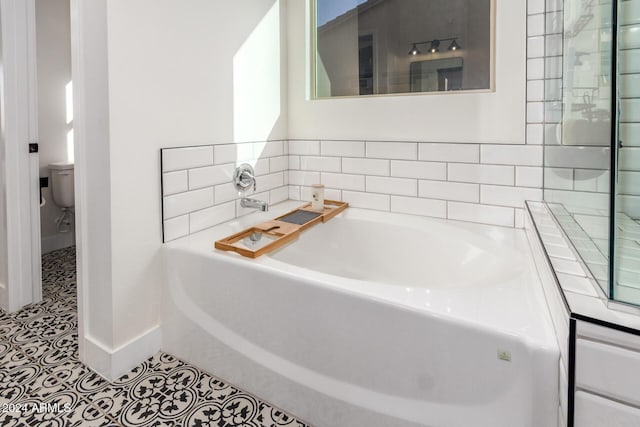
434, 46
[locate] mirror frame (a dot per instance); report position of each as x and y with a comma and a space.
313, 49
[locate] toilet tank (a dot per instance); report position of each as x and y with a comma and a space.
62, 187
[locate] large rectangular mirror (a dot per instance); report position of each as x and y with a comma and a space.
373, 47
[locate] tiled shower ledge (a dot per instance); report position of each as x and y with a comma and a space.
581, 292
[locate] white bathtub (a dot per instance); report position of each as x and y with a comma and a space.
372, 319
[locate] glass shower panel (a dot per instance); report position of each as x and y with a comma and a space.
577, 150
627, 228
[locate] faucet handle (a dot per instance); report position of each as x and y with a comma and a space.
244, 177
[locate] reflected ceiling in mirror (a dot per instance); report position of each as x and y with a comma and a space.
375, 47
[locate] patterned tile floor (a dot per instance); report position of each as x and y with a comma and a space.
42, 383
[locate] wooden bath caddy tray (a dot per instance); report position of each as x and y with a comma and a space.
271, 235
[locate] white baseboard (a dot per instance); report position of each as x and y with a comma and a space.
112, 364
58, 241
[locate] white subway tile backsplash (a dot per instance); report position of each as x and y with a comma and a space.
535, 90
552, 134
294, 192
554, 5
278, 195
279, 164
535, 47
304, 148
630, 85
321, 164
418, 206
535, 69
463, 181
294, 162
444, 190
527, 176
232, 153
186, 158
174, 182
365, 166
630, 61
269, 182
630, 134
535, 112
268, 149
535, 7
553, 90
420, 170
629, 37
380, 202
564, 156
211, 175
225, 192
260, 166
303, 178
386, 185
342, 148
594, 180
176, 227
577, 198
329, 194
519, 155
629, 183
209, 217
392, 150
182, 203
482, 174
226, 153
629, 158
508, 196
629, 12
535, 134
535, 25
553, 67
553, 112
558, 178
471, 212
343, 181
461, 153
553, 25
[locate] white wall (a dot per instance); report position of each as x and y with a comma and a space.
496, 117
53, 47
180, 73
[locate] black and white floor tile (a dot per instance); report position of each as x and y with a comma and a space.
42, 382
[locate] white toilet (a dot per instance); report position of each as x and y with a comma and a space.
62, 191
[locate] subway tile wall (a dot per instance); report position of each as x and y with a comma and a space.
197, 192
629, 62
574, 175
482, 183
